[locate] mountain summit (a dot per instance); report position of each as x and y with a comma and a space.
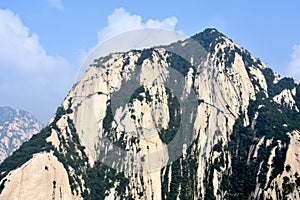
197, 119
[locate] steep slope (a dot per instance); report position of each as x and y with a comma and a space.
210, 123
16, 127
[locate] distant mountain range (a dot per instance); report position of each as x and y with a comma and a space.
16, 127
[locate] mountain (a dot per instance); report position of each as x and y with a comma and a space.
16, 127
198, 119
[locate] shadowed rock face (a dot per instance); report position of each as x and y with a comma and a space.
106, 142
16, 127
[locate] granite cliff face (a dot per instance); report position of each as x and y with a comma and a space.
239, 133
16, 127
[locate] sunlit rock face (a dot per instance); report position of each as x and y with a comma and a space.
211, 123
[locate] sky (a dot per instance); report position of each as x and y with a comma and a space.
44, 42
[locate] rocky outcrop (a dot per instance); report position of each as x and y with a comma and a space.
42, 177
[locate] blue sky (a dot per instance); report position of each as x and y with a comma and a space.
43, 42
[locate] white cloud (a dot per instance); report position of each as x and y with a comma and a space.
56, 4
29, 77
121, 21
294, 65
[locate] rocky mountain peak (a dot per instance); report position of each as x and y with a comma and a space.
197, 119
209, 38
